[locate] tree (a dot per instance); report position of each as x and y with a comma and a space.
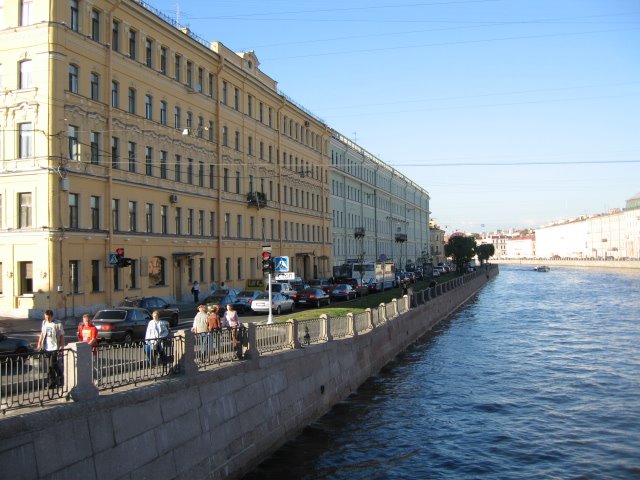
485, 251
461, 249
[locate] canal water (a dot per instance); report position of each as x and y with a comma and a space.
537, 377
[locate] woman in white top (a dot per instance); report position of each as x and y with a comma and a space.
156, 332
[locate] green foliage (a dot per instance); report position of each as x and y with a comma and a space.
461, 249
485, 251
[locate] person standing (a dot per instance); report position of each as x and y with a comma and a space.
88, 333
199, 328
195, 290
213, 327
51, 340
156, 333
232, 321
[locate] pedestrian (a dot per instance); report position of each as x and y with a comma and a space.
232, 322
213, 327
199, 328
88, 333
154, 338
195, 290
51, 341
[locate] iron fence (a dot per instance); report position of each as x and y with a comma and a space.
273, 337
311, 331
339, 326
222, 345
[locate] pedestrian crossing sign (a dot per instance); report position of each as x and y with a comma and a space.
282, 264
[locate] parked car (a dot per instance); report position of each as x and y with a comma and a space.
222, 300
167, 313
322, 283
121, 324
279, 303
282, 287
246, 297
13, 345
313, 296
342, 291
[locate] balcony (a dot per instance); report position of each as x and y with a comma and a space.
401, 237
257, 199
359, 232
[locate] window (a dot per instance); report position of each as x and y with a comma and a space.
190, 171
156, 271
95, 25
132, 100
26, 74
25, 286
199, 85
238, 183
26, 12
225, 136
115, 214
95, 275
131, 150
212, 132
176, 117
211, 85
95, 86
189, 74
250, 145
24, 214
178, 221
212, 223
74, 271
201, 222
74, 23
148, 107
164, 159
201, 174
115, 152
261, 112
190, 221
177, 67
189, 120
240, 273
25, 140
95, 147
225, 180
224, 92
163, 112
236, 98
148, 160
115, 36
133, 221
73, 78
237, 141
148, 44
178, 168
132, 44
164, 213
227, 268
94, 204
115, 94
73, 210
148, 217
227, 226
250, 106
163, 60
74, 143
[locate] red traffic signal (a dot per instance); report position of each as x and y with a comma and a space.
266, 255
120, 252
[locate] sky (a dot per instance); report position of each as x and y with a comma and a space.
510, 113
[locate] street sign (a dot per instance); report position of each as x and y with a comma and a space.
282, 264
113, 259
286, 276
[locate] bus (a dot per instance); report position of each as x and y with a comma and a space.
377, 276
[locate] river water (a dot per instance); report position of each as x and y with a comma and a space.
537, 377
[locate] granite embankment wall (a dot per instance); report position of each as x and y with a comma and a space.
215, 423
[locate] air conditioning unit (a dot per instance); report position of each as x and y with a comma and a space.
306, 123
173, 198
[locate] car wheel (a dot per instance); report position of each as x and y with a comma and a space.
128, 337
278, 310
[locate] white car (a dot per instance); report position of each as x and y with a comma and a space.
279, 303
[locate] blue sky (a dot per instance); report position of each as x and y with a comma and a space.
511, 113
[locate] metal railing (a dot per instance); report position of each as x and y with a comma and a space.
361, 322
222, 345
34, 379
273, 337
339, 326
311, 331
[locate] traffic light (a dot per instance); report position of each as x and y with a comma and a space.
119, 254
267, 263
122, 261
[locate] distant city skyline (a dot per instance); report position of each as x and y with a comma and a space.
511, 114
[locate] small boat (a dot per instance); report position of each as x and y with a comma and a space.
541, 268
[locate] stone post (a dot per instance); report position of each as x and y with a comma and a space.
394, 302
252, 352
351, 326
294, 341
382, 312
188, 354
326, 324
78, 377
370, 317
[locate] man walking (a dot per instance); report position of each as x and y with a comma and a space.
51, 340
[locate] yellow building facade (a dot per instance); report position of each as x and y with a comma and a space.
120, 130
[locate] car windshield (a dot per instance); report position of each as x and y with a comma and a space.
111, 315
129, 303
246, 293
263, 296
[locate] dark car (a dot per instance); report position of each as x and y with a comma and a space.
323, 283
167, 314
342, 291
313, 296
245, 298
12, 345
122, 324
221, 301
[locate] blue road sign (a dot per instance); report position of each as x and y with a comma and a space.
282, 264
113, 259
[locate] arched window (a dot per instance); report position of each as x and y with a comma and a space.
157, 271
